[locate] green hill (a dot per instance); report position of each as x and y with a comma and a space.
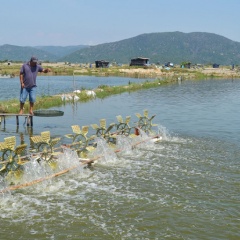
176, 47
60, 51
44, 53
17, 53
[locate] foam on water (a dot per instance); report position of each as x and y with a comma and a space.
146, 192
104, 152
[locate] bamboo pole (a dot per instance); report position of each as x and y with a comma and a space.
11, 188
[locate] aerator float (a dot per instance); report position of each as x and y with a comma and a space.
46, 150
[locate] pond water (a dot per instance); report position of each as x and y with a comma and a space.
52, 85
185, 187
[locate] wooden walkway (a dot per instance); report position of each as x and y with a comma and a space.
28, 118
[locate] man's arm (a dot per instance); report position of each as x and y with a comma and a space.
21, 80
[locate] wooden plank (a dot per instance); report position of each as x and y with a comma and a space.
15, 114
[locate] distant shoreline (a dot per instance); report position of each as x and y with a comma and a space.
62, 69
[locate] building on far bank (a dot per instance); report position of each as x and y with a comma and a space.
169, 64
215, 65
186, 65
140, 61
101, 64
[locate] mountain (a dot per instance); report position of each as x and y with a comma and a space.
44, 53
60, 51
17, 53
176, 47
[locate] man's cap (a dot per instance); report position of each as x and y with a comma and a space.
33, 59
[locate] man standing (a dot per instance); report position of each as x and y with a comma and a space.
28, 76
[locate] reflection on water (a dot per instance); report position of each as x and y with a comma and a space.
185, 187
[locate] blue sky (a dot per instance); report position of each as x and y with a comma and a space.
92, 22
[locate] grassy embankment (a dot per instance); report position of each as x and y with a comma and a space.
103, 91
155, 77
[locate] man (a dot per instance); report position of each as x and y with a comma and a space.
28, 76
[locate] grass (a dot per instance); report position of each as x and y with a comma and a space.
103, 91
9, 106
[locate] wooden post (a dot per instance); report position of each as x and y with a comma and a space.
29, 121
17, 120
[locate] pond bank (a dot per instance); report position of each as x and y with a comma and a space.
155, 77
103, 91
154, 71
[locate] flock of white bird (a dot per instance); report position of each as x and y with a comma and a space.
74, 97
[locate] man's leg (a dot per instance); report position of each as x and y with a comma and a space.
32, 99
31, 108
21, 108
23, 97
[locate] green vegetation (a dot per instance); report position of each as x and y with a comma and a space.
9, 106
12, 105
103, 91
